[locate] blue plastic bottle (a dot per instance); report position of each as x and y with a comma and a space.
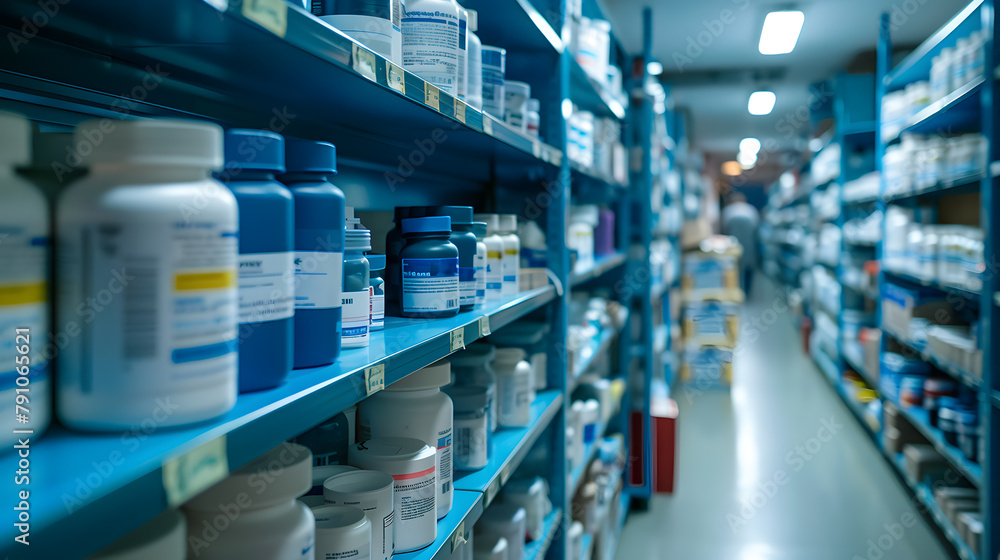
393, 245
463, 238
428, 269
267, 287
319, 250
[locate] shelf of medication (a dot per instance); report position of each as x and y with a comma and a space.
536, 550
602, 265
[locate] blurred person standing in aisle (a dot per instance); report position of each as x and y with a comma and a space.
740, 220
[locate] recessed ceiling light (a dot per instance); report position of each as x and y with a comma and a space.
732, 168
780, 32
750, 145
654, 68
761, 102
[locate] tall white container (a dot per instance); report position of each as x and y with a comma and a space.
494, 255
372, 491
430, 42
514, 379
507, 229
474, 93
148, 252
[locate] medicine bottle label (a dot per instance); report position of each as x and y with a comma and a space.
430, 285
534, 258
480, 273
445, 467
267, 287
377, 310
510, 265
467, 285
373, 32
416, 493
319, 278
494, 272
430, 47
24, 301
470, 441
149, 296
357, 318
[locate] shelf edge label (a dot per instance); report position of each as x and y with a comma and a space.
269, 14
432, 97
458, 539
374, 379
395, 77
460, 110
487, 125
188, 475
484, 326
458, 339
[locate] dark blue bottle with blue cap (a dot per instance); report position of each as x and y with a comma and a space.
428, 281
266, 276
319, 250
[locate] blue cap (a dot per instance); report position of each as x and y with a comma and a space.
376, 262
458, 214
310, 156
247, 148
430, 224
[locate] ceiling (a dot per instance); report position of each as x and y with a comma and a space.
713, 85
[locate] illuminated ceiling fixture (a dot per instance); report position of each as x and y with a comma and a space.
750, 145
780, 32
761, 102
746, 160
732, 168
654, 68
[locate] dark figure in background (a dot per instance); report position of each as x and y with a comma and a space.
740, 220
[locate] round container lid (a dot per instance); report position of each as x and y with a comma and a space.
575, 529
376, 262
507, 223
474, 355
948, 402
458, 214
320, 474
333, 518
521, 333
254, 149
288, 467
357, 482
309, 156
947, 413
479, 228
430, 224
510, 355
15, 140
163, 537
491, 221
385, 450
967, 417
588, 214
433, 376
468, 398
500, 516
166, 142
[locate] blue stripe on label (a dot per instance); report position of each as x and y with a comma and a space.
428, 20
430, 268
480, 293
510, 278
207, 352
466, 274
494, 285
355, 331
230, 234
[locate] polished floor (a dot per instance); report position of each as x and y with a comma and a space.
778, 469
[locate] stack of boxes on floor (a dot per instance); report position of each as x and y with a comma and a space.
712, 297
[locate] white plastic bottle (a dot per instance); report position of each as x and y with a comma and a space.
375, 25
507, 229
514, 379
253, 513
534, 249
24, 290
430, 42
148, 275
479, 228
415, 407
463, 52
494, 256
474, 67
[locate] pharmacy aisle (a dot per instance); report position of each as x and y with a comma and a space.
777, 468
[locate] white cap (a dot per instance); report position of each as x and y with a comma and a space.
490, 547
354, 483
288, 467
473, 21
588, 214
169, 142
508, 355
433, 376
492, 222
507, 223
164, 536
321, 474
15, 139
388, 452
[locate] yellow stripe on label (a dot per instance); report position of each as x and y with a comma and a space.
23, 294
510, 251
205, 281
493, 254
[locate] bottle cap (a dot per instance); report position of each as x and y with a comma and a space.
253, 149
508, 355
309, 156
468, 398
491, 220
479, 228
376, 262
473, 21
430, 224
507, 223
287, 467
458, 214
166, 142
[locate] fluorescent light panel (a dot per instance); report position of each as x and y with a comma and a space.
781, 32
761, 102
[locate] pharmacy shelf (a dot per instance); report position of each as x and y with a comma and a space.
862, 200
497, 20
510, 446
207, 63
588, 94
604, 341
925, 496
602, 265
536, 550
917, 66
951, 369
132, 470
918, 417
956, 112
590, 450
970, 295
857, 410
852, 353
454, 529
826, 364
960, 185
591, 186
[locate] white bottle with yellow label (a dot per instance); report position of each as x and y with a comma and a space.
147, 278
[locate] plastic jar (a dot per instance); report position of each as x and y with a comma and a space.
507, 521
934, 390
375, 24
415, 407
410, 462
474, 93
25, 277
430, 42
393, 245
169, 232
514, 379
494, 256
473, 436
967, 429
515, 104
463, 52
948, 423
479, 229
529, 336
319, 250
244, 517
321, 474
911, 391
532, 494
377, 290
464, 239
472, 368
533, 117
591, 420
372, 492
494, 67
490, 547
266, 245
342, 532
594, 48
429, 269
580, 238
161, 538
356, 301
329, 441
507, 230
